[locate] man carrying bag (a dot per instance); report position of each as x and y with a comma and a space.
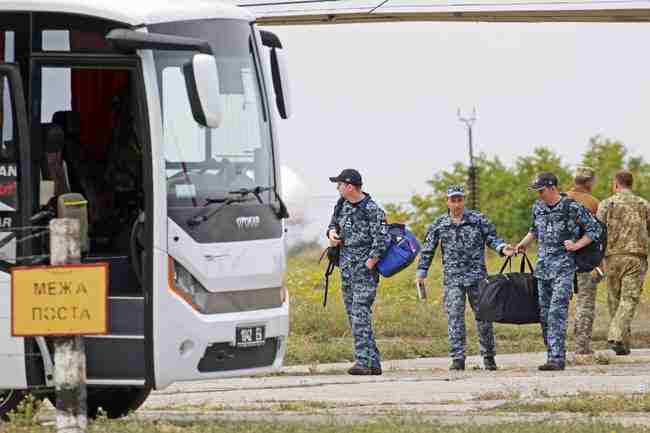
358, 227
462, 235
556, 264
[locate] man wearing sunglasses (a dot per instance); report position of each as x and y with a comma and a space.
558, 239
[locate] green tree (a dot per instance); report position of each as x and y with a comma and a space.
607, 157
503, 193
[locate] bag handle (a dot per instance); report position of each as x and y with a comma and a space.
506, 263
522, 266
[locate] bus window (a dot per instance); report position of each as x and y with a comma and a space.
184, 138
56, 92
56, 40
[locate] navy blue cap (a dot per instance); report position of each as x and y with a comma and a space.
543, 180
349, 175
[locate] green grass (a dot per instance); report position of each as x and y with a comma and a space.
380, 425
588, 403
404, 326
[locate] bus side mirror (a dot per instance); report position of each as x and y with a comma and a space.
279, 73
280, 77
202, 81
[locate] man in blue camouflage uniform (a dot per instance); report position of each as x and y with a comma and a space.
462, 235
558, 238
358, 226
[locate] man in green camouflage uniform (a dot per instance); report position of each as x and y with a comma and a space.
627, 217
583, 182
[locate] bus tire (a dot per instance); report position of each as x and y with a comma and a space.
115, 402
9, 400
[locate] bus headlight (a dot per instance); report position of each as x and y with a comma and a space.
183, 283
189, 289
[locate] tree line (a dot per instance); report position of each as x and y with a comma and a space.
503, 192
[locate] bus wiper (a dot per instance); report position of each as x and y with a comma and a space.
198, 219
256, 191
280, 212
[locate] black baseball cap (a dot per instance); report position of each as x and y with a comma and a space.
542, 181
349, 175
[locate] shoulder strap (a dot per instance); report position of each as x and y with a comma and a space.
338, 206
337, 209
328, 272
566, 212
363, 208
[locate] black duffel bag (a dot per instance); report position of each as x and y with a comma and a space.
511, 297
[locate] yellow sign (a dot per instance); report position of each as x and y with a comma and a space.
59, 300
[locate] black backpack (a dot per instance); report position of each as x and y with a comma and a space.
589, 257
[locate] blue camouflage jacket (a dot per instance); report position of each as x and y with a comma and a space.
463, 247
551, 228
362, 228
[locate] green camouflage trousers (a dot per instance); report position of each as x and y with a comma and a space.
585, 311
625, 275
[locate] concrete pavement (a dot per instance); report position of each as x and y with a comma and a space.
421, 387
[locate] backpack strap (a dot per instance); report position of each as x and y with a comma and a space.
566, 212
337, 210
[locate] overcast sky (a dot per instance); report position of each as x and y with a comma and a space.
383, 97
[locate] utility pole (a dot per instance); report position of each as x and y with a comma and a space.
473, 171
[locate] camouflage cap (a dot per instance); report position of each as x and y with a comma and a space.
584, 172
455, 190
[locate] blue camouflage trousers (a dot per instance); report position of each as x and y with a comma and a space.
359, 286
554, 297
454, 298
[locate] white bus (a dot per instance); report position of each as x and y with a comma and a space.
159, 113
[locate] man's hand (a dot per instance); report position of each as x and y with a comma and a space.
371, 262
334, 239
521, 247
523, 244
571, 246
508, 250
419, 280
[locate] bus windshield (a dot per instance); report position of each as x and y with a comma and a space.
204, 164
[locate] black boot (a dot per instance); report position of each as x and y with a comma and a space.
457, 364
489, 363
552, 366
619, 348
360, 370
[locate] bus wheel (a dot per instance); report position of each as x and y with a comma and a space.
9, 400
115, 402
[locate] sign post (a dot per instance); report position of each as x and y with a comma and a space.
65, 300
69, 352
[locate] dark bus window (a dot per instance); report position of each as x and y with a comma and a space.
71, 33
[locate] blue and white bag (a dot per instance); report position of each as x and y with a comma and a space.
403, 249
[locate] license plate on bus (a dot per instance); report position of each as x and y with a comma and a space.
249, 336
